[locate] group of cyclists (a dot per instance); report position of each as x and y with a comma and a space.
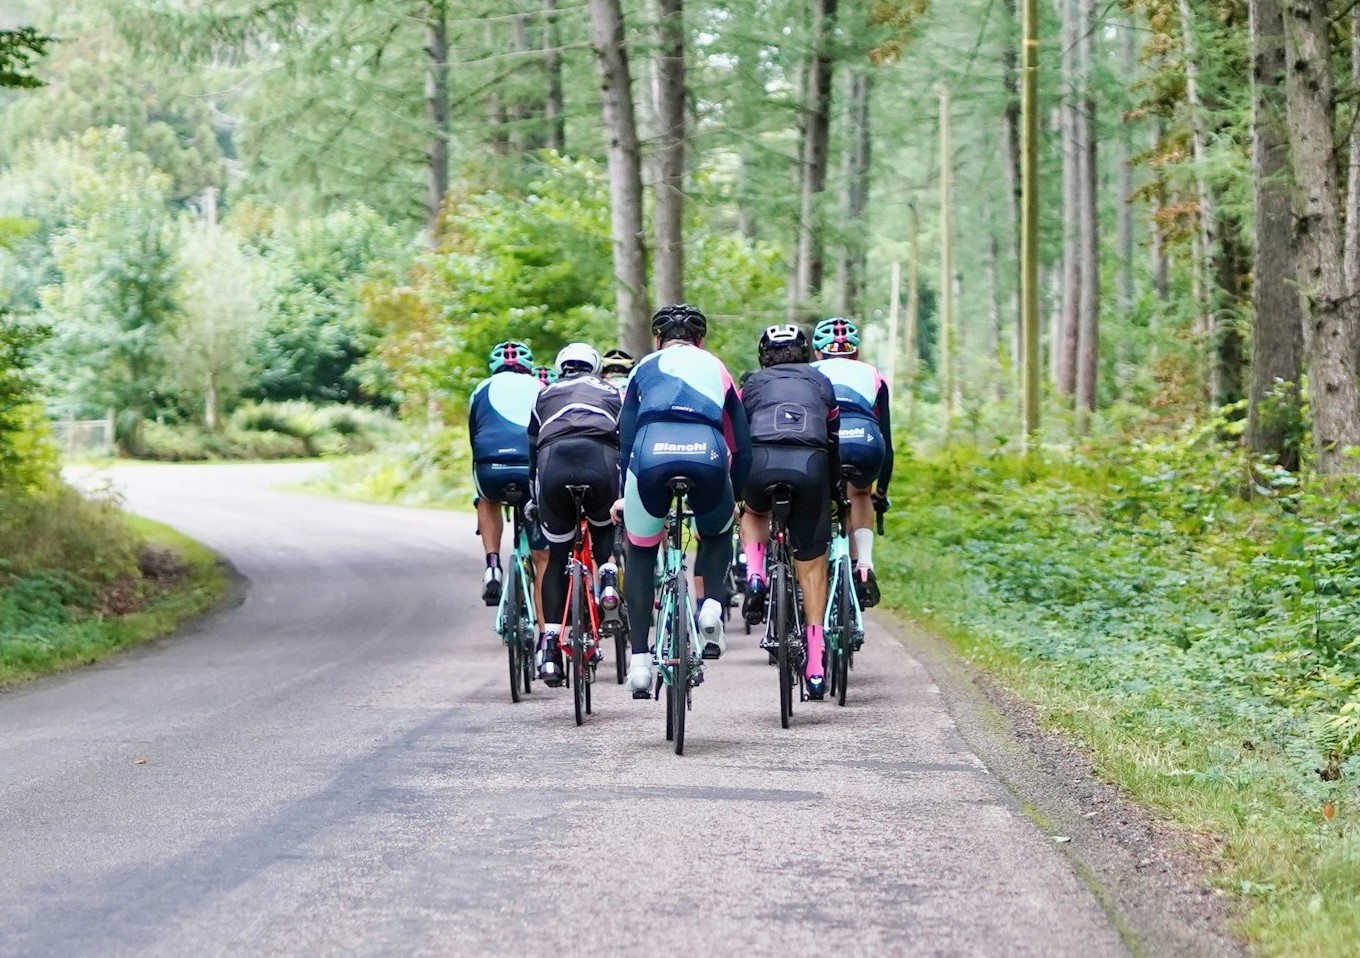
624, 428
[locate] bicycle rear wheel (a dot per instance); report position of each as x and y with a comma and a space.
578, 645
510, 632
840, 664
779, 619
678, 701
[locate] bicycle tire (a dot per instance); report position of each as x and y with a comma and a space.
511, 634
840, 666
679, 697
779, 621
832, 633
578, 644
621, 646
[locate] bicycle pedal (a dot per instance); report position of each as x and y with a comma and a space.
641, 694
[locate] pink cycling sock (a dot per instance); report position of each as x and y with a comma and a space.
755, 560
814, 651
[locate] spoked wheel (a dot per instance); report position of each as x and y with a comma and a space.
578, 646
844, 650
677, 702
510, 631
779, 621
526, 653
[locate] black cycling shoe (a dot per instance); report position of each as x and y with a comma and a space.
753, 606
867, 587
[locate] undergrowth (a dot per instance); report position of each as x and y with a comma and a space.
79, 580
1194, 617
423, 469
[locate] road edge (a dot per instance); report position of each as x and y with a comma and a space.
1147, 875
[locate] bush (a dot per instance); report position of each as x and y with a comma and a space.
285, 430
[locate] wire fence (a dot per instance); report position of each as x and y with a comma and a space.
83, 437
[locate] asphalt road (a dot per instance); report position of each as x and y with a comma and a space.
335, 768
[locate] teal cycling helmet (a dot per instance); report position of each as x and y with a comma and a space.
835, 336
546, 374
512, 354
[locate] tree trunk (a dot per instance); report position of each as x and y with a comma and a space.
1353, 172
1128, 57
522, 138
554, 104
670, 182
1010, 82
436, 115
1072, 164
1161, 285
816, 136
1329, 309
1222, 250
850, 271
1277, 321
625, 176
1088, 342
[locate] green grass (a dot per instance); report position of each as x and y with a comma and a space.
429, 471
1205, 649
92, 582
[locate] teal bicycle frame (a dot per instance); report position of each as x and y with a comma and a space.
678, 667
844, 621
516, 619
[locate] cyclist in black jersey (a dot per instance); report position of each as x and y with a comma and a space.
573, 440
792, 411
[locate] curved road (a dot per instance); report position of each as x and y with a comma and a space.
335, 768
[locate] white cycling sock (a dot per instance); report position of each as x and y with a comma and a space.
864, 547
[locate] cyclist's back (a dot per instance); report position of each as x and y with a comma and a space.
681, 417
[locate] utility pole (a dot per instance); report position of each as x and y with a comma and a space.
1029, 219
946, 267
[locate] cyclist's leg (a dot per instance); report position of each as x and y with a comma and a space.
490, 525
646, 501
864, 451
755, 535
713, 505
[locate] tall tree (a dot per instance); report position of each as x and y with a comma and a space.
1067, 345
809, 263
625, 175
554, 105
1277, 320
1331, 311
1088, 206
854, 250
670, 162
436, 113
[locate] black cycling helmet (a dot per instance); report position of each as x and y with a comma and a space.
617, 361
679, 316
785, 343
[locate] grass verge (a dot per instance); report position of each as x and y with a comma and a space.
1203, 648
429, 471
54, 618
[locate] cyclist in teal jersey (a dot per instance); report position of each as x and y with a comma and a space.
498, 424
865, 438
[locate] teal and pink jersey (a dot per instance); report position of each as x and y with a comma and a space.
865, 421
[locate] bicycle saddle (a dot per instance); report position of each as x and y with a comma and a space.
514, 494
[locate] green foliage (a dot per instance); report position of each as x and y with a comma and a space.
19, 52
1190, 612
287, 430
315, 338
116, 292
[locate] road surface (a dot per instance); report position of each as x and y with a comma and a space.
335, 768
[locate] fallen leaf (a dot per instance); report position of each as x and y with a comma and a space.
139, 761
1060, 839
1329, 810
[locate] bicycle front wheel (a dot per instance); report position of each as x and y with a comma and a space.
678, 701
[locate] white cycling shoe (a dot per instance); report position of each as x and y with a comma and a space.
711, 632
640, 674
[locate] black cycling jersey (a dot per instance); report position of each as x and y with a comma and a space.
583, 407
791, 404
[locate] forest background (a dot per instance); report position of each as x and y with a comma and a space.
259, 229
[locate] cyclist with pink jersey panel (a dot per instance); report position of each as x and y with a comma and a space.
681, 417
865, 438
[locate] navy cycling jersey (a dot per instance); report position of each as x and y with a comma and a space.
498, 417
791, 404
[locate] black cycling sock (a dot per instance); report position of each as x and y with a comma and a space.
640, 592
711, 562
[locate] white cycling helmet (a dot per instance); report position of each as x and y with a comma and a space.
781, 336
578, 354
